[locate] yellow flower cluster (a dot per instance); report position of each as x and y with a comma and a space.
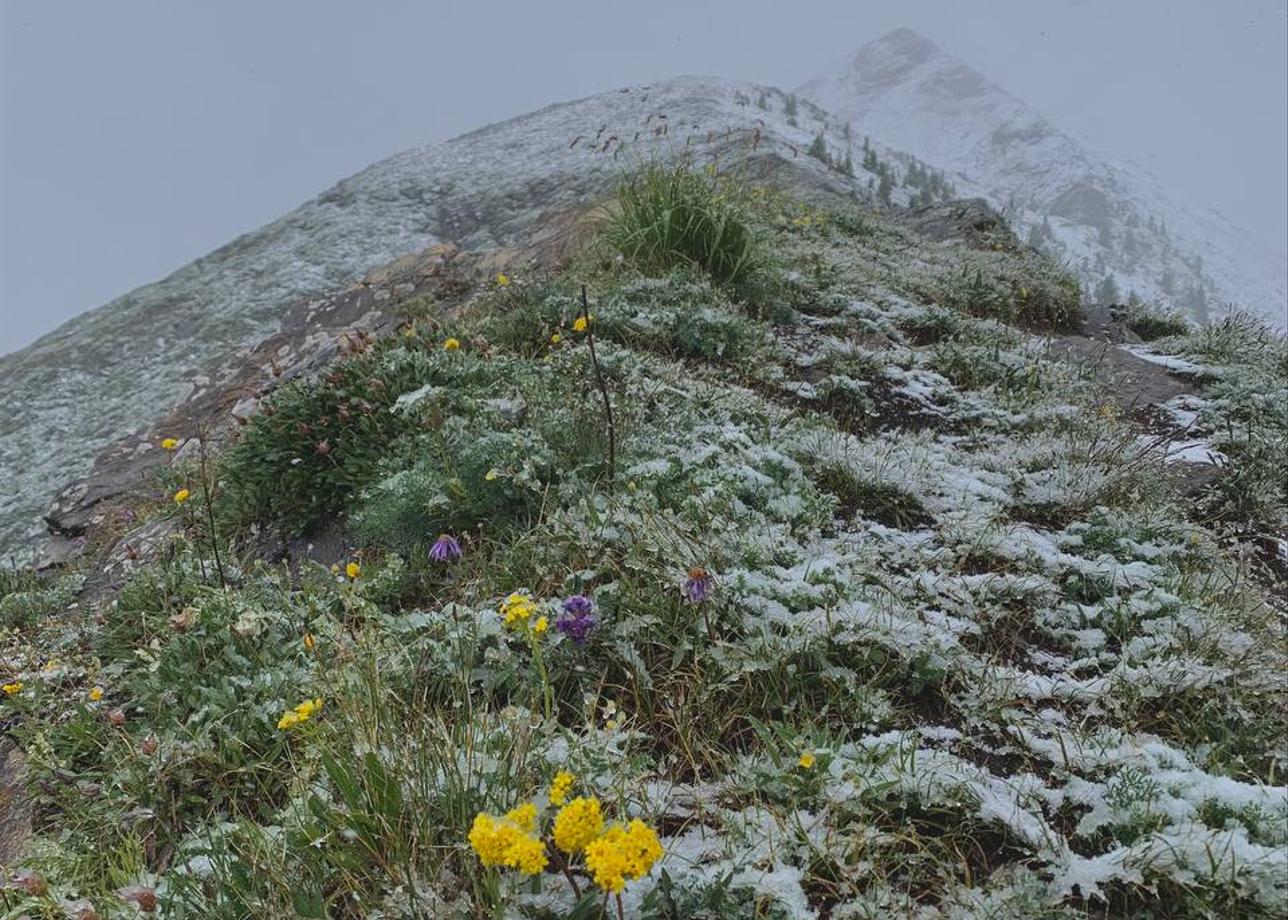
182, 496
96, 694
560, 786
300, 714
353, 570
516, 610
578, 823
613, 854
169, 444
13, 688
507, 842
620, 853
581, 323
451, 344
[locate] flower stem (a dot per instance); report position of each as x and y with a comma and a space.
603, 390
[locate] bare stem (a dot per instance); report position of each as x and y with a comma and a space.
208, 500
603, 389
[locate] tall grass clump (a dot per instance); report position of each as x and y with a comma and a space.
672, 216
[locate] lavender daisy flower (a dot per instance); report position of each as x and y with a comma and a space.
445, 549
578, 618
697, 586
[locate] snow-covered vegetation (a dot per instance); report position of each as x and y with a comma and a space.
845, 585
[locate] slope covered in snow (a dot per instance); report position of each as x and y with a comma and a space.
117, 368
1108, 220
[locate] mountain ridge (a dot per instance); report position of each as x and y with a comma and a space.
1108, 218
89, 383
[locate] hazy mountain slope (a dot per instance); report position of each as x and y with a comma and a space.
113, 370
1107, 219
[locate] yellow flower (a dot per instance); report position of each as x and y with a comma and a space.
610, 725
11, 689
308, 708
581, 322
528, 855
353, 571
502, 842
491, 474
300, 714
539, 628
556, 339
517, 610
560, 786
806, 760
309, 641
502, 280
451, 344
577, 824
621, 853
96, 694
182, 496
525, 816
169, 444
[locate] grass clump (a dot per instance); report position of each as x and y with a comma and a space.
670, 216
1150, 323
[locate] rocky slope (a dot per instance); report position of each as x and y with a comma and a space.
116, 369
877, 593
1106, 219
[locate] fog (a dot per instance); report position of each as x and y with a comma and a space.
135, 136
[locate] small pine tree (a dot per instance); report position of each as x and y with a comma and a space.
762, 103
818, 149
846, 132
1107, 290
847, 165
789, 106
886, 186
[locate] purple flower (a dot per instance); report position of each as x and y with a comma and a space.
578, 618
697, 586
445, 549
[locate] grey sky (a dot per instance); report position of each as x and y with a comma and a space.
136, 135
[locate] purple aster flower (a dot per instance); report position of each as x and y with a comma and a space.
445, 549
697, 586
578, 618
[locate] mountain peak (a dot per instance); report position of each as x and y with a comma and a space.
1109, 221
904, 41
